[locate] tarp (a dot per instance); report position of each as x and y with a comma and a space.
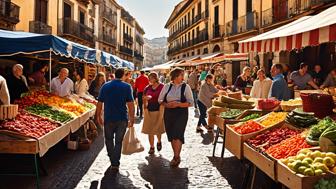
306, 31
124, 63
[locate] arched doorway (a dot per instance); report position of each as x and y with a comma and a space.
216, 48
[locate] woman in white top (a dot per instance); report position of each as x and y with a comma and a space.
81, 85
261, 86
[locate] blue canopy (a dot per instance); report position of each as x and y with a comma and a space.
124, 63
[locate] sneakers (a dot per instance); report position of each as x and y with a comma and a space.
175, 162
159, 146
199, 129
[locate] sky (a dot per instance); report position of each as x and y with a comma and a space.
152, 15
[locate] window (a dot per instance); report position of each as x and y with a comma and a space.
199, 8
248, 6
216, 16
192, 53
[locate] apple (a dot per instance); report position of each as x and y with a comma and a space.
318, 160
328, 161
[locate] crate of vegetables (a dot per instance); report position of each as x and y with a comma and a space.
272, 119
306, 168
251, 114
254, 148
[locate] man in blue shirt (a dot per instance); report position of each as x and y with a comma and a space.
117, 97
279, 88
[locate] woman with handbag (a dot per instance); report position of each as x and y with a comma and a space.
153, 112
176, 97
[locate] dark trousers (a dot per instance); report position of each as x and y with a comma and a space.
194, 93
114, 134
202, 118
140, 102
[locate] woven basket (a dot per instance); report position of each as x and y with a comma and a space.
289, 108
8, 111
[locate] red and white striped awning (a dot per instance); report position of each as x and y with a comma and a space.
306, 31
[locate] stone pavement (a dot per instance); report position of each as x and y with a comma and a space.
88, 169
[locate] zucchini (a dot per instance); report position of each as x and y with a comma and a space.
240, 106
301, 113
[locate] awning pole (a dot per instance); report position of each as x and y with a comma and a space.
50, 70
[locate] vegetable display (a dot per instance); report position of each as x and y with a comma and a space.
301, 119
273, 118
49, 112
29, 125
248, 127
268, 104
251, 116
316, 130
267, 139
326, 184
231, 114
288, 147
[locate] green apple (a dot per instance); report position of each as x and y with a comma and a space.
318, 160
309, 172
316, 154
300, 157
318, 172
328, 161
304, 151
308, 160
332, 155
301, 169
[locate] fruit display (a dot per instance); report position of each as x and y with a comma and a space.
228, 102
29, 125
251, 116
248, 127
271, 137
49, 112
273, 118
231, 113
291, 104
311, 163
301, 119
268, 104
288, 147
325, 184
316, 130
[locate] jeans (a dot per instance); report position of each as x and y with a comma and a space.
140, 103
114, 133
194, 93
203, 115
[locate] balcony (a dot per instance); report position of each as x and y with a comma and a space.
67, 26
128, 38
242, 24
108, 39
202, 37
126, 50
139, 39
126, 16
9, 12
110, 15
39, 27
218, 31
189, 24
138, 55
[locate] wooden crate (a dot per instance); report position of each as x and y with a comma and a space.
297, 181
14, 145
8, 111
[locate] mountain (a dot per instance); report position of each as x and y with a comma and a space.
155, 51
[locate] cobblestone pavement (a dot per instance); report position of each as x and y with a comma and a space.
88, 169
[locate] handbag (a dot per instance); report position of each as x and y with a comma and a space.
131, 144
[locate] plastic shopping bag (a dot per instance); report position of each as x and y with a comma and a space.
131, 143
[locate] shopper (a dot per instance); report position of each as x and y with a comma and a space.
318, 75
81, 85
38, 78
62, 85
116, 96
330, 80
140, 83
279, 88
243, 79
4, 93
207, 92
176, 97
193, 83
302, 79
254, 74
261, 86
153, 124
96, 84
203, 74
17, 83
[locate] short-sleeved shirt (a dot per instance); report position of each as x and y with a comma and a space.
299, 80
330, 81
141, 82
203, 75
240, 84
175, 93
62, 89
115, 94
153, 103
279, 88
206, 94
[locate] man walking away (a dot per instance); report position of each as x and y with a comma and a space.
117, 98
193, 83
140, 84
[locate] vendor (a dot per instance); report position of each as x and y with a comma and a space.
4, 94
62, 85
17, 83
279, 88
261, 86
331, 79
81, 85
243, 79
302, 79
38, 77
318, 75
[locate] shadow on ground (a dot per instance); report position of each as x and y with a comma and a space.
166, 177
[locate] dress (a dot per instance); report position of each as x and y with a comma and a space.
153, 113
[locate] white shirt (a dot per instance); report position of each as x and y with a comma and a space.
4, 93
175, 93
61, 89
81, 87
261, 89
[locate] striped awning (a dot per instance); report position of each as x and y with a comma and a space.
306, 31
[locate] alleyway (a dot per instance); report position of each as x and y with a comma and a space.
88, 169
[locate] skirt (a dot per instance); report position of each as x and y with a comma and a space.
153, 122
175, 120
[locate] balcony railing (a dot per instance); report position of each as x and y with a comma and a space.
189, 24
139, 39
242, 24
287, 9
128, 38
108, 39
9, 11
126, 50
218, 31
138, 55
39, 27
67, 26
202, 37
110, 15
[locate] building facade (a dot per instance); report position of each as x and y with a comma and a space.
9, 15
